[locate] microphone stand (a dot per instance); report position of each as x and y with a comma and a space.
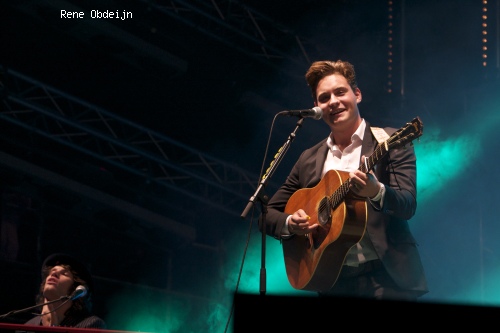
264, 199
62, 298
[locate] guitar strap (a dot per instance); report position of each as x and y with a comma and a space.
381, 135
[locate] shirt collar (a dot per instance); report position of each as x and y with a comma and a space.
358, 135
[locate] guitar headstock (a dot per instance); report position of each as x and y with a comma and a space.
406, 134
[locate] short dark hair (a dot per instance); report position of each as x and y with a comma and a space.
319, 69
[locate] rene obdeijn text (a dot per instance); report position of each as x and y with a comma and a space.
98, 14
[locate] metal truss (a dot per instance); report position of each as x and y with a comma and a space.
240, 27
121, 143
229, 22
156, 158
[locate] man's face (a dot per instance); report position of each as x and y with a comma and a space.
337, 100
58, 283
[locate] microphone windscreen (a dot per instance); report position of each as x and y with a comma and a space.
80, 291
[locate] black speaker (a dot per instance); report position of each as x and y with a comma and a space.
304, 314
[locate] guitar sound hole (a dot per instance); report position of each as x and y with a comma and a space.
324, 214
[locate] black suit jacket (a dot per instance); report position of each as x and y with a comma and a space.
388, 229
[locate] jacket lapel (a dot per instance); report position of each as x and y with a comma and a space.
369, 142
320, 160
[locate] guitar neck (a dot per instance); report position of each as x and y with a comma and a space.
371, 161
338, 196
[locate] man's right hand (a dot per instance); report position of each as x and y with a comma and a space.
298, 224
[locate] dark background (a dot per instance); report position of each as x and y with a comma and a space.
139, 142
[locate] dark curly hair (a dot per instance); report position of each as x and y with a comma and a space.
80, 304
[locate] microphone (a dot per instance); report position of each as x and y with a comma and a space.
80, 291
315, 113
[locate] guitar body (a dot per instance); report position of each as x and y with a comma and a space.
314, 261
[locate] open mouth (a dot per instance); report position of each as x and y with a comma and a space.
51, 281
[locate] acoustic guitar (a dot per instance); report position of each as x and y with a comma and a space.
313, 262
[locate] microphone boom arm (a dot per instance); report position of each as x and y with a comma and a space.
272, 168
14, 312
